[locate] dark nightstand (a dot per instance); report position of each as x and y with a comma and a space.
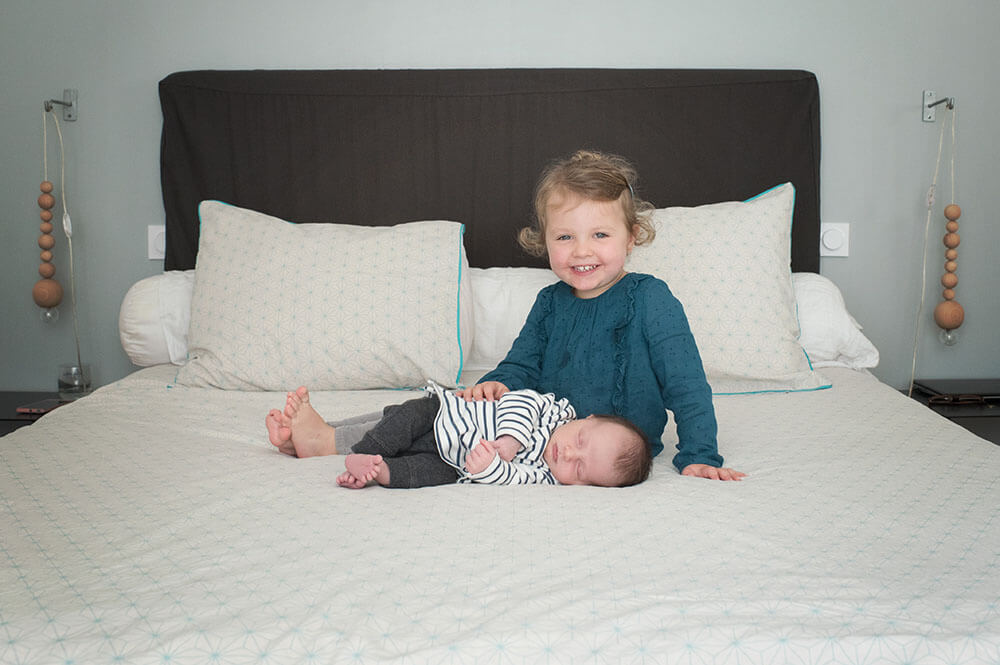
972, 403
10, 419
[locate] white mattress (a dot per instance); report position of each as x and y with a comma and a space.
156, 524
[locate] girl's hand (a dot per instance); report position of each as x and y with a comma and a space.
487, 390
480, 457
715, 473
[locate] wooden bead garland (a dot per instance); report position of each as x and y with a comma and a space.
949, 314
47, 292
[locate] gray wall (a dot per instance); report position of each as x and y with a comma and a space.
872, 59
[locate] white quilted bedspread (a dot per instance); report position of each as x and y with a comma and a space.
155, 524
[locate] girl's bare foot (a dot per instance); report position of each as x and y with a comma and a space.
278, 433
309, 434
363, 469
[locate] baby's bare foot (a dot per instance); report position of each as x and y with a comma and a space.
278, 433
347, 480
366, 468
310, 435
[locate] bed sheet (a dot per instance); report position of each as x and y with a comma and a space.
151, 523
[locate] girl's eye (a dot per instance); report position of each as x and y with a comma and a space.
601, 234
562, 237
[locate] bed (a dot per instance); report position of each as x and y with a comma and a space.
152, 521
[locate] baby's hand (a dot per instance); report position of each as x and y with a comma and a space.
487, 390
507, 447
712, 472
480, 457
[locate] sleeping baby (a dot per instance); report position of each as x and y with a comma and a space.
523, 437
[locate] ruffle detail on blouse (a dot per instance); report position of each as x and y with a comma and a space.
545, 297
632, 282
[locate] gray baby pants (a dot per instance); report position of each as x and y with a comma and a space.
403, 434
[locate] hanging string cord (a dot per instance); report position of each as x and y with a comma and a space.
954, 147
68, 229
927, 228
45, 145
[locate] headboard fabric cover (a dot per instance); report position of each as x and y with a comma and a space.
381, 147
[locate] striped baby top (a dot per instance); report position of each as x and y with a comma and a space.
528, 416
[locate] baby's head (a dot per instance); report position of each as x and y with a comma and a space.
592, 176
602, 450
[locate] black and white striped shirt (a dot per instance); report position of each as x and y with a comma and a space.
528, 416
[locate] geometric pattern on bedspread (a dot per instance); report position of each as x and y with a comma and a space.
866, 532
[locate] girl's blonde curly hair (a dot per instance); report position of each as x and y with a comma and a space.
595, 176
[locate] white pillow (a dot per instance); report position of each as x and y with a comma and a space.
332, 306
830, 335
501, 298
154, 317
729, 265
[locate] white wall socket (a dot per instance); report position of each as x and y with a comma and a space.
156, 242
834, 239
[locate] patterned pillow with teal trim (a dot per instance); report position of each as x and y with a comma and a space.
330, 306
730, 266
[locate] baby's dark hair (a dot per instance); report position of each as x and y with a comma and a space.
635, 461
595, 176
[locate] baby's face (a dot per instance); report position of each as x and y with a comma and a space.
583, 452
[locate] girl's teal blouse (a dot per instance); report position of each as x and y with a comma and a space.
629, 351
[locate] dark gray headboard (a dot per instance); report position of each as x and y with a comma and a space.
381, 147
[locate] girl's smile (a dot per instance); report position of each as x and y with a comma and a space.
587, 242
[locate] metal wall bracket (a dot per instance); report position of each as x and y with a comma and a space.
927, 111
68, 102
70, 110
